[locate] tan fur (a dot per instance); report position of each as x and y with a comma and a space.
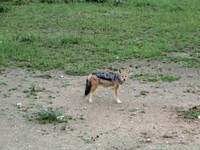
95, 82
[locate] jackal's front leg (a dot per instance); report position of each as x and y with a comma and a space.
90, 100
117, 95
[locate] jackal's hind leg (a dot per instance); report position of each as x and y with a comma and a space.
117, 95
90, 100
93, 88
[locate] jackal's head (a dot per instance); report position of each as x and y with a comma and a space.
123, 75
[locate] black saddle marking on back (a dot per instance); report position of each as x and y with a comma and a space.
110, 76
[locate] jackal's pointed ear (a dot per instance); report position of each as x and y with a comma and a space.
120, 70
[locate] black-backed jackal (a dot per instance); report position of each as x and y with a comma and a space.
109, 79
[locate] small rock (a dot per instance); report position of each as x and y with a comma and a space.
148, 140
19, 105
60, 118
63, 128
121, 109
167, 136
198, 117
133, 114
182, 139
62, 76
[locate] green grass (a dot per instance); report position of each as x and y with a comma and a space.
31, 92
191, 113
144, 93
81, 37
3, 83
169, 78
49, 115
154, 78
132, 110
13, 89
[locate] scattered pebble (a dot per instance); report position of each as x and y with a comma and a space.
121, 109
133, 114
182, 139
60, 118
63, 128
19, 105
148, 140
62, 76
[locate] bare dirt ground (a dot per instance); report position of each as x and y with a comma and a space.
148, 121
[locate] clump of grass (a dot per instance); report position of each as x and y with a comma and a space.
49, 115
31, 95
31, 92
33, 89
192, 113
51, 97
86, 140
190, 131
132, 110
13, 89
24, 2
142, 111
81, 117
145, 77
71, 40
3, 83
33, 86
3, 112
190, 62
61, 41
144, 93
155, 78
169, 78
3, 9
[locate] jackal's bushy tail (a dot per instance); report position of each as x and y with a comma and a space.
87, 87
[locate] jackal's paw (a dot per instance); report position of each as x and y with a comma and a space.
90, 101
118, 101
